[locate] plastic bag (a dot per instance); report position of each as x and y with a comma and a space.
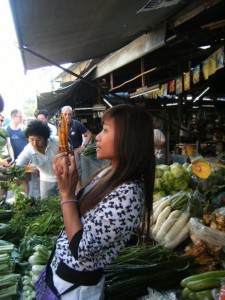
155, 295
206, 233
43, 292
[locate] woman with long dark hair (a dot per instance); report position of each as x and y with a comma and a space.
109, 208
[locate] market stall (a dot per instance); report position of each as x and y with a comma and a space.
183, 257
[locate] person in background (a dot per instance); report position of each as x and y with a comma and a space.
18, 140
159, 139
159, 143
99, 224
43, 115
2, 169
40, 152
6, 151
76, 130
16, 132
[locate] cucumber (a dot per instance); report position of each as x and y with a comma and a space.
185, 293
204, 284
192, 296
209, 274
207, 294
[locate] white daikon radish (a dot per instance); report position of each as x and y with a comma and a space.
177, 227
160, 209
161, 219
169, 222
181, 236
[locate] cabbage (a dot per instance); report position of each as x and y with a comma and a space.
158, 184
167, 186
177, 170
159, 195
189, 169
163, 167
185, 165
158, 172
168, 180
180, 184
168, 176
187, 176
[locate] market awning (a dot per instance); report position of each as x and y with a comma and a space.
77, 30
76, 93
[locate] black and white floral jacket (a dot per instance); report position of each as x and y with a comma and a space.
106, 230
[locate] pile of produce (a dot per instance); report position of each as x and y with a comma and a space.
9, 280
38, 261
202, 286
33, 217
139, 267
171, 179
174, 251
169, 225
13, 173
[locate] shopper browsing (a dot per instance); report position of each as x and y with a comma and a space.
40, 151
100, 222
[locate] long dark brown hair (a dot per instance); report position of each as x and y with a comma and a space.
134, 151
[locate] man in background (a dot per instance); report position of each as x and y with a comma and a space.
43, 116
76, 130
18, 140
16, 132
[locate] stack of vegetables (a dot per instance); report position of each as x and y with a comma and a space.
169, 224
141, 266
171, 179
33, 217
202, 286
38, 261
8, 279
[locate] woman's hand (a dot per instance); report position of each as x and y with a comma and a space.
67, 176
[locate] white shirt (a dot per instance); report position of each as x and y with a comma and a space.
41, 161
53, 129
159, 136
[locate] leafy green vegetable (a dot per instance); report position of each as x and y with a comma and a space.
177, 170
158, 171
26, 215
158, 184
158, 195
180, 184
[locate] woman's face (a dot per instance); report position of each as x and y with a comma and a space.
105, 141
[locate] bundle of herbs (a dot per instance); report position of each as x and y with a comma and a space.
34, 217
